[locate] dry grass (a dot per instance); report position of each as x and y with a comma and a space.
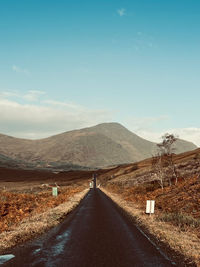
30, 215
14, 207
186, 242
187, 165
184, 197
181, 220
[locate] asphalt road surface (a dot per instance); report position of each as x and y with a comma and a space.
95, 234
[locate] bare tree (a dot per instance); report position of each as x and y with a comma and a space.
166, 147
158, 171
166, 153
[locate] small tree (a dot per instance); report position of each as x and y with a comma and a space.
166, 153
158, 171
166, 147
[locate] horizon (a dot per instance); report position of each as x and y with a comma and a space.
66, 66
32, 139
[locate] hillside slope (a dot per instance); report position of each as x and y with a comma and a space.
99, 146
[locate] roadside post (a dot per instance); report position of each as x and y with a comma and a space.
55, 191
150, 207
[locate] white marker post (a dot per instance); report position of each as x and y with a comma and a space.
150, 206
55, 191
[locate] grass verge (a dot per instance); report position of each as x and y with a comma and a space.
181, 220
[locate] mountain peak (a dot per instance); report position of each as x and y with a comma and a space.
108, 125
98, 146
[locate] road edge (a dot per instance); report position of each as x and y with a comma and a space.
134, 214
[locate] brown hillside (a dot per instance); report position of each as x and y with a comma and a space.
187, 165
99, 146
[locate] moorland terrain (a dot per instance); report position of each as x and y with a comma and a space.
26, 190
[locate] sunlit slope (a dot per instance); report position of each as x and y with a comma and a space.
99, 146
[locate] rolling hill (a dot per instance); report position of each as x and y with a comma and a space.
99, 146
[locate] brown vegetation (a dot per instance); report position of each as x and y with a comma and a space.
183, 198
186, 164
27, 207
40, 219
14, 207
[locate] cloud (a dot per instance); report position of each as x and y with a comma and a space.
43, 119
144, 123
6, 94
63, 104
121, 12
33, 95
20, 70
142, 40
189, 134
146, 127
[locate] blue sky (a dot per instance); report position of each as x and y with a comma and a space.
70, 64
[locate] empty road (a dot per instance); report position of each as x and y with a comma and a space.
95, 234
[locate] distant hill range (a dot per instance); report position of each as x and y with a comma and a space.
99, 146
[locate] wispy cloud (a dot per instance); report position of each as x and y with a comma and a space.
62, 104
18, 69
121, 12
191, 134
30, 96
147, 127
33, 95
6, 94
45, 118
138, 123
143, 41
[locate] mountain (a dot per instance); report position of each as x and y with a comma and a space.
8, 162
99, 146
